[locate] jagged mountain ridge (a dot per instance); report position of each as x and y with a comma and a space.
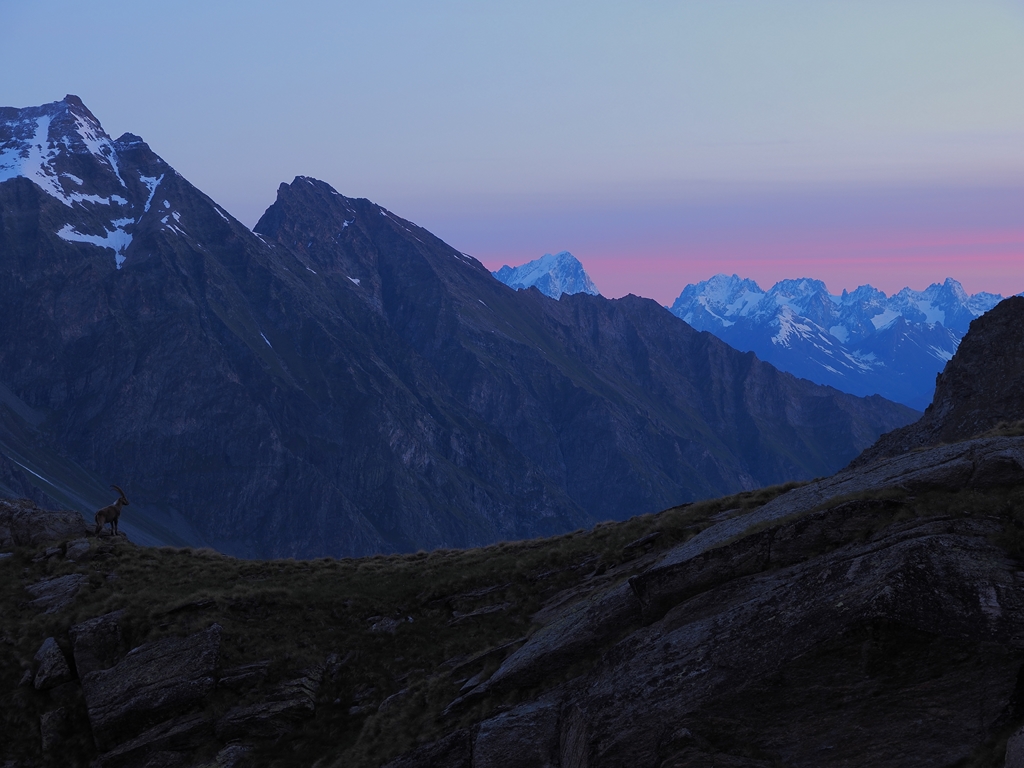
551, 274
980, 388
861, 342
343, 382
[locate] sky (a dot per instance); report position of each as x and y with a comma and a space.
864, 141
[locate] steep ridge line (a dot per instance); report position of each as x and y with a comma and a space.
342, 382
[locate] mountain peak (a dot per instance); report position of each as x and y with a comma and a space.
104, 187
57, 146
552, 274
860, 341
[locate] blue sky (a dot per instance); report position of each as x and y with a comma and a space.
661, 142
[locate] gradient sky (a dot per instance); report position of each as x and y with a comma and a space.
661, 143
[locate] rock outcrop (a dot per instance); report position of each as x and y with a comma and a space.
97, 643
277, 713
23, 524
808, 632
981, 387
53, 667
54, 594
152, 682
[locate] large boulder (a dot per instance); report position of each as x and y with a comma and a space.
22, 524
152, 683
53, 667
54, 594
97, 643
287, 705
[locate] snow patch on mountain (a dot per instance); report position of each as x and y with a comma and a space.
552, 274
32, 156
884, 319
151, 182
117, 239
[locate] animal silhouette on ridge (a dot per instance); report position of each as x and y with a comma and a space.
111, 513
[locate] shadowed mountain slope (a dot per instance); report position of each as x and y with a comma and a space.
343, 382
980, 388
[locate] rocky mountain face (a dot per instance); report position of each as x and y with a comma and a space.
551, 274
980, 389
861, 342
340, 381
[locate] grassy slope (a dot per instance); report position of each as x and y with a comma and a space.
297, 613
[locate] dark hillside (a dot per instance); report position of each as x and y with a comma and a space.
343, 382
806, 626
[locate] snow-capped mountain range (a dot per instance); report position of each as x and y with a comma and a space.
551, 274
862, 342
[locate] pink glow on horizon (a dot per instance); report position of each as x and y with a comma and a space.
991, 261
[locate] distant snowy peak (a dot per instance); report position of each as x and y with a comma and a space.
551, 274
724, 299
860, 341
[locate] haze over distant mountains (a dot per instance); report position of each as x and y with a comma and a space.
862, 342
551, 274
340, 381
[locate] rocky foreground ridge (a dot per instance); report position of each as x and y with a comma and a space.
872, 618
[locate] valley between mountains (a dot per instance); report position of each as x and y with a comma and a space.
339, 381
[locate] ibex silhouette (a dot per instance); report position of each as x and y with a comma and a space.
110, 514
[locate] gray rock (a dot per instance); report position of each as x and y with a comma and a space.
52, 728
97, 643
387, 625
391, 701
54, 594
524, 737
579, 630
232, 755
78, 550
53, 667
244, 677
279, 713
151, 683
173, 736
22, 524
